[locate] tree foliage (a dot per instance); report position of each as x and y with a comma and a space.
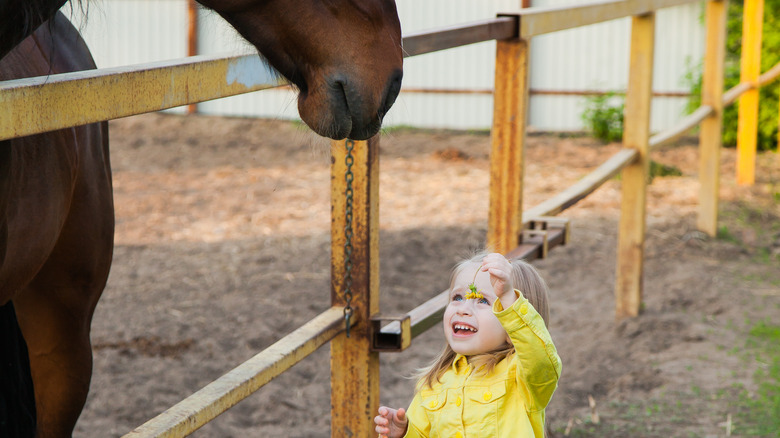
769, 96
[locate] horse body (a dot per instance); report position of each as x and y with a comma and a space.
56, 207
56, 223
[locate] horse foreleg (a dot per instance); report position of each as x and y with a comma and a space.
55, 312
58, 342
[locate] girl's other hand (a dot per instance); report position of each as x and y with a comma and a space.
391, 423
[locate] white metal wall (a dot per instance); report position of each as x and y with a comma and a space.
122, 32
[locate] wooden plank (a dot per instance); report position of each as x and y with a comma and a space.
203, 406
750, 69
631, 230
459, 35
542, 20
682, 127
35, 105
710, 138
508, 140
736, 91
354, 367
583, 187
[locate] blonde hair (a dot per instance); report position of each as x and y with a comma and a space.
529, 282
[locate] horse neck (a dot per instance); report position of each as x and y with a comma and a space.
20, 18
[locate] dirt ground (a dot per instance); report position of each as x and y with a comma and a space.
222, 248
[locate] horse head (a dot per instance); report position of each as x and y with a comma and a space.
344, 56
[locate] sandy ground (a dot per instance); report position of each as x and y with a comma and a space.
222, 248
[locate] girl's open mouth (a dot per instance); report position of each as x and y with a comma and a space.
462, 329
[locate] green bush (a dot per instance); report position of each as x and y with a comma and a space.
768, 97
603, 118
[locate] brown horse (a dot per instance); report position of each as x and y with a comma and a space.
56, 208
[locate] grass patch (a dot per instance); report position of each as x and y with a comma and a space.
759, 413
753, 412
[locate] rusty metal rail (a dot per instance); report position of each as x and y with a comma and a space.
460, 35
203, 406
34, 105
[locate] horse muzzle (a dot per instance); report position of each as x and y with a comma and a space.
341, 107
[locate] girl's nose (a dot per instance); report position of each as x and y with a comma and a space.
466, 308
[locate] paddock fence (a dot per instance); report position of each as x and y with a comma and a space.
35, 105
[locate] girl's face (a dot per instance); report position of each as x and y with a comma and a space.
469, 324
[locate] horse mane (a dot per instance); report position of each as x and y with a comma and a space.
20, 18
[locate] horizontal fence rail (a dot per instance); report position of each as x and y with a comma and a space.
203, 406
542, 20
704, 111
460, 35
34, 105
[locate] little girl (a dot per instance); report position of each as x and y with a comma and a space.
499, 368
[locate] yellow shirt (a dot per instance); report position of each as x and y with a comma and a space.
508, 402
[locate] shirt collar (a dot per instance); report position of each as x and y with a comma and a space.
460, 364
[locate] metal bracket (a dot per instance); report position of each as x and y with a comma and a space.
536, 237
552, 223
540, 236
390, 333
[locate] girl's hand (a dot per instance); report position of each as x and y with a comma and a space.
391, 423
500, 271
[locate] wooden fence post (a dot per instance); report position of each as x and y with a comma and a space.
710, 138
510, 103
636, 135
354, 368
750, 70
192, 40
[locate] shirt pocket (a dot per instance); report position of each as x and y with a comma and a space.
484, 404
487, 394
433, 403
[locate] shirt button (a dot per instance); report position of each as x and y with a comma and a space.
458, 401
458, 435
432, 404
487, 396
523, 309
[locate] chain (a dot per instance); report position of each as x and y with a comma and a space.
348, 233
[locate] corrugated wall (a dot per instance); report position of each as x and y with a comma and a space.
122, 32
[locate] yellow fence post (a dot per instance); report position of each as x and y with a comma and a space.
354, 368
710, 139
636, 135
750, 70
510, 103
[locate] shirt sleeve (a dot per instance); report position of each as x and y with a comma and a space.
538, 365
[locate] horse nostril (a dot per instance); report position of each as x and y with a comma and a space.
391, 93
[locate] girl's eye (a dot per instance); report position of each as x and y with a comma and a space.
484, 301
457, 297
